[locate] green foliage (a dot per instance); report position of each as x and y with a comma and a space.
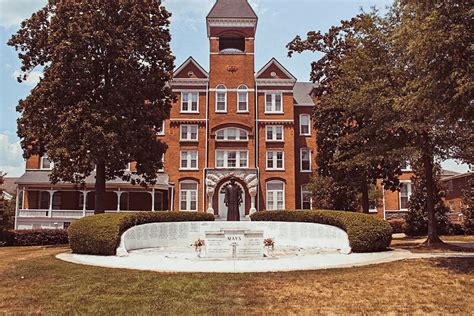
468, 207
398, 226
416, 220
329, 194
356, 90
34, 237
100, 234
104, 93
366, 233
7, 213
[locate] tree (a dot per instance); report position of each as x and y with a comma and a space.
417, 217
357, 142
432, 47
328, 194
468, 206
104, 93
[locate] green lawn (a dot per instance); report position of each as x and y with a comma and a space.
32, 280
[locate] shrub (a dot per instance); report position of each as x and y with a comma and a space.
100, 234
34, 237
398, 226
366, 233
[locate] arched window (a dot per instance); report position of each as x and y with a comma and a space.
188, 195
232, 134
242, 99
221, 98
275, 195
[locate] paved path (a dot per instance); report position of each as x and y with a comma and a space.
154, 260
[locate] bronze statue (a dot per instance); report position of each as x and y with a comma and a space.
233, 199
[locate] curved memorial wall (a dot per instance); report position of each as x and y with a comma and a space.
227, 239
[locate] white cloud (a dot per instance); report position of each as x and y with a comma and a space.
11, 159
12, 12
32, 79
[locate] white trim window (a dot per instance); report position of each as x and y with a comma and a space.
306, 199
273, 102
221, 99
188, 133
232, 159
405, 194
305, 125
305, 160
275, 195
189, 160
161, 130
274, 133
45, 163
232, 134
243, 99
275, 160
188, 196
190, 102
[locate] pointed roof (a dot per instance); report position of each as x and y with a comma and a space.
275, 64
194, 65
238, 9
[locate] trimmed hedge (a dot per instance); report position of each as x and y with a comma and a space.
34, 237
100, 234
366, 232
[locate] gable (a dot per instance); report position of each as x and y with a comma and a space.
273, 70
190, 69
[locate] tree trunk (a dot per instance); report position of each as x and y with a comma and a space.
100, 189
365, 197
433, 237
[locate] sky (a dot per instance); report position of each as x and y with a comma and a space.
279, 22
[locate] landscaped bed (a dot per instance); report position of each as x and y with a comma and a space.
366, 233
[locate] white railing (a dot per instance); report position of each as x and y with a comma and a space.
33, 213
73, 214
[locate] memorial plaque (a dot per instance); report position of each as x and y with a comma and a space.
220, 244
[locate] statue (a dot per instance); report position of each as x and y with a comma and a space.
233, 199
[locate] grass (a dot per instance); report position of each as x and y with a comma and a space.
32, 280
452, 244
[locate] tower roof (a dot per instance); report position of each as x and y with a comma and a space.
239, 9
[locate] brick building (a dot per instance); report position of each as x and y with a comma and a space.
230, 120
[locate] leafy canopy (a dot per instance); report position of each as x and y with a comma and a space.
104, 93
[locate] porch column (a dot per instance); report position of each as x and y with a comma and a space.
119, 194
172, 199
51, 196
23, 199
152, 199
84, 202
17, 207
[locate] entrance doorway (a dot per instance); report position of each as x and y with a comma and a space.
222, 208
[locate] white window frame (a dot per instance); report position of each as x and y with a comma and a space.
301, 159
309, 125
273, 106
275, 159
189, 128
303, 191
51, 164
161, 131
274, 133
221, 89
409, 194
226, 135
189, 102
275, 196
226, 158
188, 159
243, 89
188, 196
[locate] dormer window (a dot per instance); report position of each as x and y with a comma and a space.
221, 99
242, 99
232, 134
45, 163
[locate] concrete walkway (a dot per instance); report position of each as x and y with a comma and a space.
186, 261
